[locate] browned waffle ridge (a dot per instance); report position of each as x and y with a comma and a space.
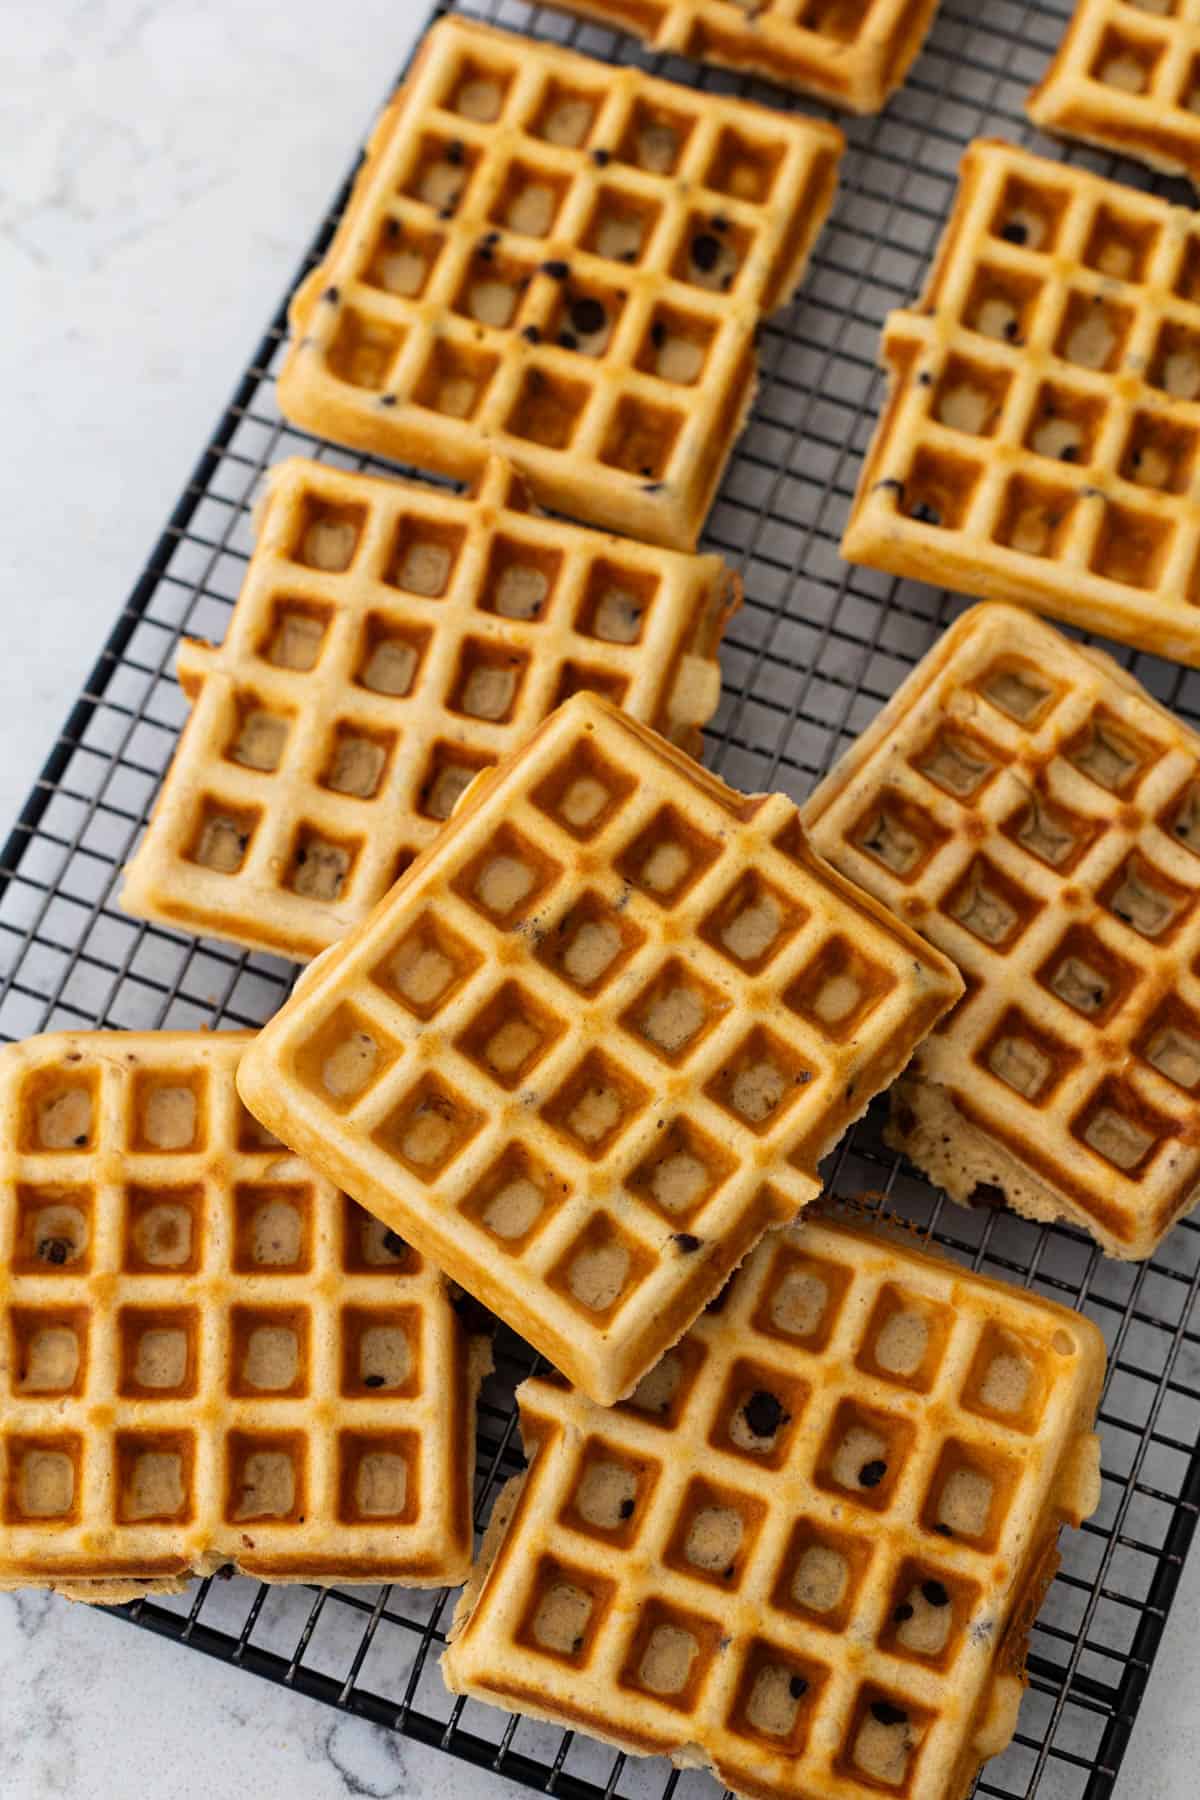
208, 1355
597, 1038
564, 262
1126, 77
807, 1551
390, 640
1025, 803
851, 52
1038, 442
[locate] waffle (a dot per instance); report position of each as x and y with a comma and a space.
809, 1549
389, 642
853, 53
1128, 80
1039, 437
209, 1356
564, 262
1025, 804
567, 1051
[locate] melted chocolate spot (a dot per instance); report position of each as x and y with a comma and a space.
764, 1414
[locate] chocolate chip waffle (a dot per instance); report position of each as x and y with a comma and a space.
390, 641
595, 1041
1024, 803
1038, 442
808, 1550
208, 1355
1127, 77
851, 52
564, 262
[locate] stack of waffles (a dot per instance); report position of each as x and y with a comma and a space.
582, 1021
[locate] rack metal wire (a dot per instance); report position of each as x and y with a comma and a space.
816, 650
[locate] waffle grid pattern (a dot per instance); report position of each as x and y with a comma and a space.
561, 1056
1039, 442
1039, 820
209, 1355
1127, 78
853, 53
853, 1637
567, 267
388, 643
817, 648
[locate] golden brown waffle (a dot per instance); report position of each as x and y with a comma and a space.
808, 1550
1024, 803
851, 52
570, 1048
564, 262
1127, 77
1039, 438
208, 1355
389, 642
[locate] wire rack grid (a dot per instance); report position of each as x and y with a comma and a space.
816, 650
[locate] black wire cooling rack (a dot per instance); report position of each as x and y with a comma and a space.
815, 651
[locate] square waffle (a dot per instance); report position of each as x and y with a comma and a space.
853, 53
564, 262
390, 641
808, 1550
595, 1041
1038, 442
1127, 77
208, 1355
1026, 805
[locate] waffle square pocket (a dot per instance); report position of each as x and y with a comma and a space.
1039, 438
389, 642
808, 1549
596, 1041
208, 1355
1126, 77
1026, 805
563, 262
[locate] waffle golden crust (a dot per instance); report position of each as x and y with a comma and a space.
564, 262
1025, 804
390, 641
851, 52
808, 1550
208, 1355
595, 1041
1126, 80
1039, 436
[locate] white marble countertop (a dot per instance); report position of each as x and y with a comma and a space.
162, 163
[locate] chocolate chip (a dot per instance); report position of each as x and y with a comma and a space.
902, 1614
764, 1414
651, 487
532, 335
568, 340
391, 228
81, 1140
935, 1593
587, 315
484, 253
387, 399
577, 1646
602, 158
455, 154
1012, 331
658, 334
373, 1381
55, 1250
685, 1241
872, 1473
447, 211
727, 1572
556, 269
886, 1714
628, 256
705, 251
889, 485
924, 514
225, 1572
1069, 453
626, 1509
332, 294
797, 1687
943, 1530
986, 1194
925, 379
1014, 232
394, 1244
720, 224
492, 237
